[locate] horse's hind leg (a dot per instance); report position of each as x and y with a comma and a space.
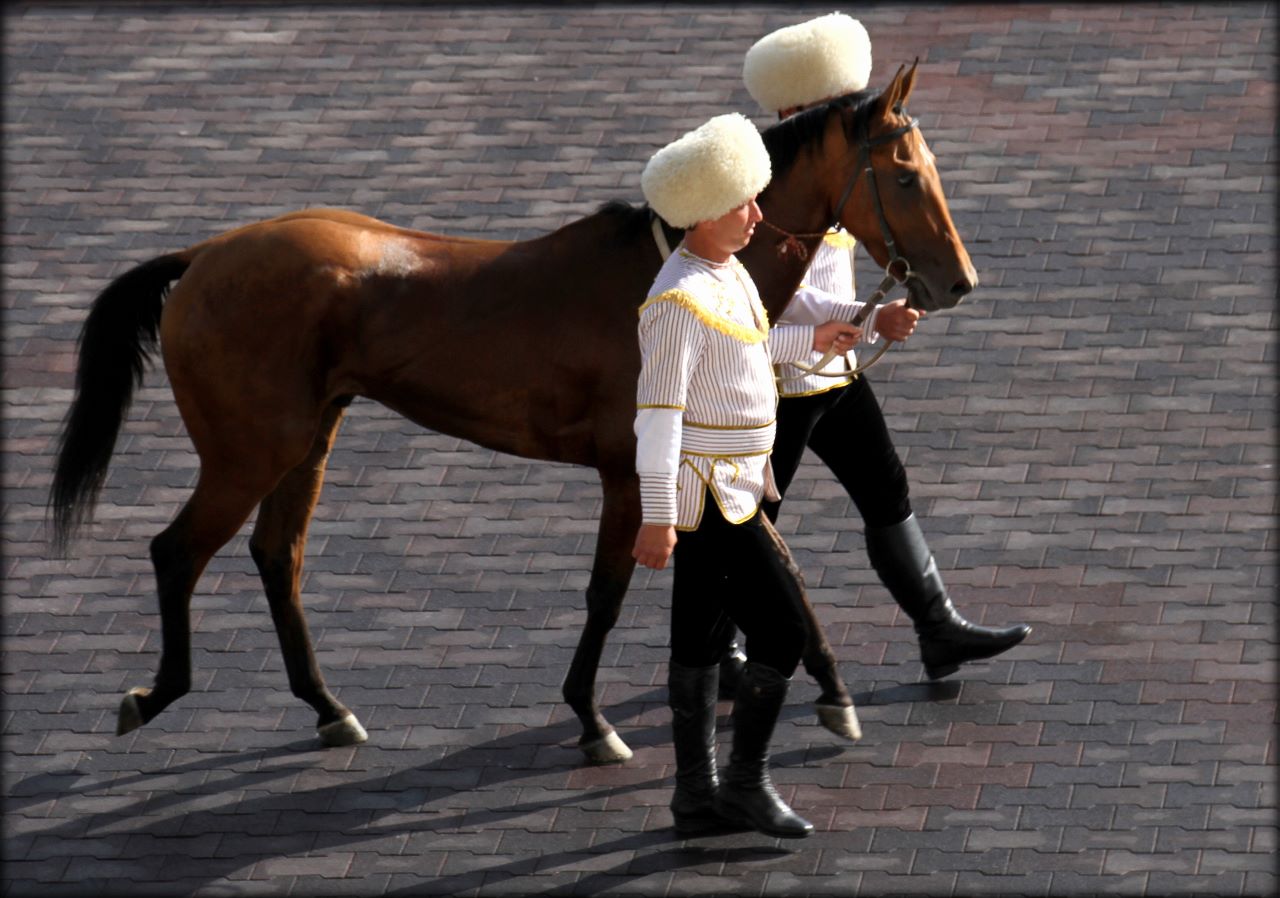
610, 575
220, 504
277, 545
835, 705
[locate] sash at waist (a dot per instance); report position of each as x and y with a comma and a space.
715, 440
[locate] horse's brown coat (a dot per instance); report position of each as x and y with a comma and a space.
527, 348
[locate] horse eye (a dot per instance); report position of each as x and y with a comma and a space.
907, 180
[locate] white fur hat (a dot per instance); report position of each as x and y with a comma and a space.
804, 64
709, 171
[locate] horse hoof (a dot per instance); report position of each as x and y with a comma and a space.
130, 717
608, 749
841, 720
346, 731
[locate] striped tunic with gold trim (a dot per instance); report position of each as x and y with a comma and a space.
829, 279
706, 400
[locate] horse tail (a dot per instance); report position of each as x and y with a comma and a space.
116, 343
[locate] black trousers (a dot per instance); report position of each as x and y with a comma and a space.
735, 575
846, 429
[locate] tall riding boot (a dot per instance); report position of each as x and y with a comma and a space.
746, 793
691, 692
902, 558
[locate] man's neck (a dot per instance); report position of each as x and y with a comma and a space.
700, 246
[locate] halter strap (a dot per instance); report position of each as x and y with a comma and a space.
864, 152
659, 235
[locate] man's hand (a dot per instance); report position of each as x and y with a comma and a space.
896, 320
654, 545
838, 335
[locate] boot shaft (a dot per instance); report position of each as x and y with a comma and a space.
691, 694
747, 795
755, 714
901, 558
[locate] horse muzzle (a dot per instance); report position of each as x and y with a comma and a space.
925, 294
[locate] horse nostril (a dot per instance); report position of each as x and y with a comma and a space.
963, 287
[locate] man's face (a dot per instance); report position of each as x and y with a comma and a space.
732, 231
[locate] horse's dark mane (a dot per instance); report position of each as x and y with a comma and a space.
622, 207
783, 140
633, 218
787, 138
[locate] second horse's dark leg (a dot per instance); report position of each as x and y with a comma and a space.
610, 576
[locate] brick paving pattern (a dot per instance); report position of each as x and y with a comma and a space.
1091, 439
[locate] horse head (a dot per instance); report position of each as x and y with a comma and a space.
895, 205
860, 161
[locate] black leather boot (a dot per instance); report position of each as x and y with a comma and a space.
746, 793
691, 693
902, 558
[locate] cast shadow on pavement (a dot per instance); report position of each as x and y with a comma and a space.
272, 818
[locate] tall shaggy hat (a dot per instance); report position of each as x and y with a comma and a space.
709, 171
804, 64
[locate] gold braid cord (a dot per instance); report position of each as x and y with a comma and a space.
690, 303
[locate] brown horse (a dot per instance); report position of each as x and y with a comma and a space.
525, 347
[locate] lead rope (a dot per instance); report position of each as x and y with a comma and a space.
858, 368
858, 319
790, 244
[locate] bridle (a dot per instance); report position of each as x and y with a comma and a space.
791, 243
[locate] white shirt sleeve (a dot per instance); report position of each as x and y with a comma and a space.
671, 342
816, 306
657, 462
790, 343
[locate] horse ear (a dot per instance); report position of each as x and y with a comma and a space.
895, 90
889, 96
906, 86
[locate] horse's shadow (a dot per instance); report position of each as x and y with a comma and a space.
394, 799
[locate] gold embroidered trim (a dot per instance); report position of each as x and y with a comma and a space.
840, 240
701, 500
678, 408
827, 389
733, 329
725, 457
688, 423
702, 504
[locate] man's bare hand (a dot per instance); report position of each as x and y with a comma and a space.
654, 545
838, 335
896, 320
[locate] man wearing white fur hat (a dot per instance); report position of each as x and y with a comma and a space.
788, 71
706, 402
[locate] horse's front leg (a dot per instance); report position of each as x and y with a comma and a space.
610, 576
834, 705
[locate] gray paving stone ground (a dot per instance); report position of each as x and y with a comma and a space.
1091, 439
